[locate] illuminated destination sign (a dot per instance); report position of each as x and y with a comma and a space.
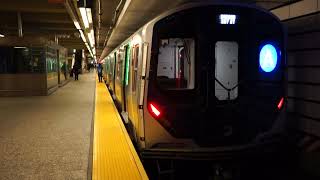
227, 18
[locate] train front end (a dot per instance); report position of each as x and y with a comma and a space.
216, 80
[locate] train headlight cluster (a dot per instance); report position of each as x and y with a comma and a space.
268, 58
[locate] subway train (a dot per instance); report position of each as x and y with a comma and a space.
202, 80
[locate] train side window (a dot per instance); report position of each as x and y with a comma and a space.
112, 63
119, 65
106, 64
134, 64
110, 66
176, 65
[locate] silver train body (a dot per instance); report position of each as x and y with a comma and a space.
192, 82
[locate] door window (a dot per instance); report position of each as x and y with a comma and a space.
226, 70
135, 55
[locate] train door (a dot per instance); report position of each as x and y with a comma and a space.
222, 93
108, 69
132, 88
119, 78
114, 73
126, 81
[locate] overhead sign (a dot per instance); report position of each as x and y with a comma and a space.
227, 18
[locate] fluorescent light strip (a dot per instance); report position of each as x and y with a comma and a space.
88, 48
82, 36
1, 35
19, 47
91, 37
91, 42
76, 23
84, 16
89, 14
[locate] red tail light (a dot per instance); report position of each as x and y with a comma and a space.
280, 104
155, 111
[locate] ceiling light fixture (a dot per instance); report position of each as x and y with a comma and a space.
76, 23
94, 50
1, 35
89, 15
88, 47
91, 37
84, 16
82, 36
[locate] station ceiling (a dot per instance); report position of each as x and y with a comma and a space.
39, 18
114, 20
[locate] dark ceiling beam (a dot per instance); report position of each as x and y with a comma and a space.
40, 28
46, 18
73, 44
57, 28
50, 25
47, 33
70, 40
50, 21
73, 41
72, 47
38, 6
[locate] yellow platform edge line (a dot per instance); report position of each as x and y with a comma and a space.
134, 155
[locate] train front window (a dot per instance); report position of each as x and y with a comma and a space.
176, 64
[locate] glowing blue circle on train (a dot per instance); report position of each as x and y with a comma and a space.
268, 58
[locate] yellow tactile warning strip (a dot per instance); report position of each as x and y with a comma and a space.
114, 156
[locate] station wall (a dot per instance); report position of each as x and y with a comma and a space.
302, 20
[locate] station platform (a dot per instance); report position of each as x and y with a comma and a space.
52, 137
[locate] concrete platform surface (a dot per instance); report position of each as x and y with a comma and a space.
47, 137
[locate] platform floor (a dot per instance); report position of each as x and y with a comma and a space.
114, 156
48, 137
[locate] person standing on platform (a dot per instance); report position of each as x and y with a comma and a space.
71, 72
99, 69
64, 70
76, 72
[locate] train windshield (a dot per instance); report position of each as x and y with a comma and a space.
176, 64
